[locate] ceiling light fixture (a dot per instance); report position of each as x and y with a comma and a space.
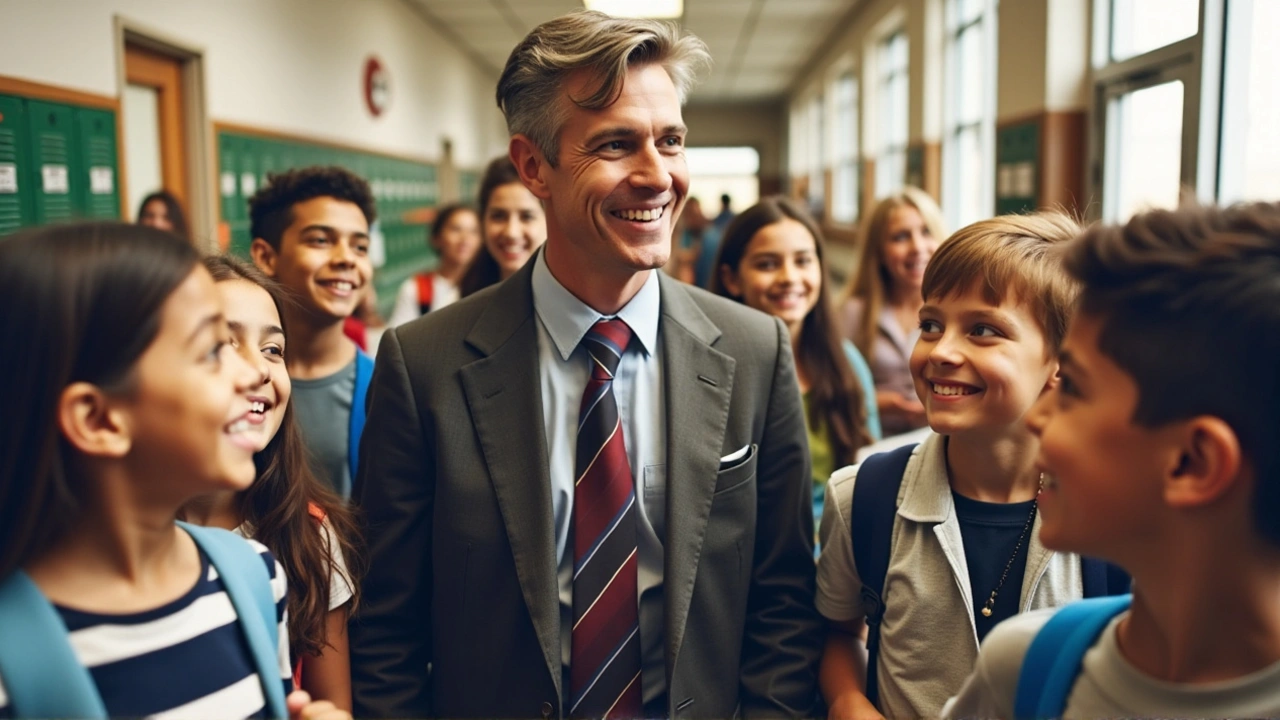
658, 9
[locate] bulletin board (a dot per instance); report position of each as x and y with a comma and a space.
1017, 167
406, 192
915, 166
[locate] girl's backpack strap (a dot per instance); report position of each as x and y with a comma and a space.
426, 291
42, 675
248, 584
1053, 660
875, 505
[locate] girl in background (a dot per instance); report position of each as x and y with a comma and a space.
880, 308
771, 260
455, 236
161, 210
512, 223
304, 524
132, 403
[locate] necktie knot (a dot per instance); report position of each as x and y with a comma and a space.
606, 341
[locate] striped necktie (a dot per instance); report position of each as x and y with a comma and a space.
604, 667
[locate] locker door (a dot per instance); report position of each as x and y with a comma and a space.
17, 207
100, 196
247, 164
56, 173
233, 204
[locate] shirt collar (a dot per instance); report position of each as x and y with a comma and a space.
926, 496
567, 319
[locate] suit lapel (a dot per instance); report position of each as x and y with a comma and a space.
504, 396
699, 384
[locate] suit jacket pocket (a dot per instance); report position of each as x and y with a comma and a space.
737, 475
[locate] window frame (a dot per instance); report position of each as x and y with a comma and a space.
845, 134
1196, 61
954, 173
886, 81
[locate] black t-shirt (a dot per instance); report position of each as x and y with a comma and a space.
990, 531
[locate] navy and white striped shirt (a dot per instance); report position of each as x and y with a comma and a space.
185, 659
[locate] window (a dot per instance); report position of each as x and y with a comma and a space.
891, 101
968, 160
817, 158
844, 181
1147, 127
1139, 26
1187, 103
1251, 107
1154, 86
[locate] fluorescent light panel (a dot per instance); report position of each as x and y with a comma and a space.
661, 9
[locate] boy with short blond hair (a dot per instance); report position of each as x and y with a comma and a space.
957, 550
1161, 452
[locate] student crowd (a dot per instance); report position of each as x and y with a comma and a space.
571, 485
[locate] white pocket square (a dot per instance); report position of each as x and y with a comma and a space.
736, 455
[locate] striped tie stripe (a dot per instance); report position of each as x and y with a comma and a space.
604, 665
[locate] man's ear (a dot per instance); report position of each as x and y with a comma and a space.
1208, 465
264, 256
90, 423
530, 164
729, 278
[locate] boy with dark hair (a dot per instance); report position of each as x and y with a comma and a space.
1161, 452
310, 231
931, 545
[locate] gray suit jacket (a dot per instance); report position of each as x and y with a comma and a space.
460, 616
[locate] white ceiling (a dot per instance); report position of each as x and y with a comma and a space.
758, 46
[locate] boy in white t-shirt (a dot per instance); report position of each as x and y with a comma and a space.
1161, 449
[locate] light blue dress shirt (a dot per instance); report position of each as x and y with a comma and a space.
563, 371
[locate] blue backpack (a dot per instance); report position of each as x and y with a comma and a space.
1053, 661
43, 677
875, 505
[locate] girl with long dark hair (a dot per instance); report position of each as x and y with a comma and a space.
303, 523
127, 402
512, 224
455, 236
771, 259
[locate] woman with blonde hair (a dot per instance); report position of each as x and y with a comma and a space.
880, 307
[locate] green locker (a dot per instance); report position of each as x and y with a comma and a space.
100, 187
57, 174
399, 186
233, 204
17, 206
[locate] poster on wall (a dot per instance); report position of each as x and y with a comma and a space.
1017, 162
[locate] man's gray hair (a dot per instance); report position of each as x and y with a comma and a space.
533, 80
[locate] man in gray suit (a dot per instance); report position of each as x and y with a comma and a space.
587, 488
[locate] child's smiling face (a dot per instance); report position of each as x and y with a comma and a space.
979, 366
257, 335
1102, 471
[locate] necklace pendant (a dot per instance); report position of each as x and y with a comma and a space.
986, 612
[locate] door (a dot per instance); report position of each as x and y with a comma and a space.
155, 143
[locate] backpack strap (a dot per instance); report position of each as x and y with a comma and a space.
1052, 662
248, 584
42, 675
364, 373
875, 506
425, 292
1101, 578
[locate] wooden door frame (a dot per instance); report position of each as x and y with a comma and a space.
163, 73
197, 165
